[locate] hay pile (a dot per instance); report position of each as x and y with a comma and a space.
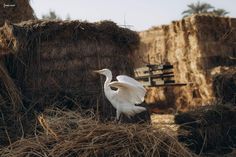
208, 128
10, 101
193, 45
21, 12
52, 61
68, 133
15, 121
224, 85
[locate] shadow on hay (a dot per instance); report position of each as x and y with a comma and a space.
15, 120
224, 85
208, 128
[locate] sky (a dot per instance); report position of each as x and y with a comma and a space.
138, 14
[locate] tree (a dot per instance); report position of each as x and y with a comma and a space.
203, 8
51, 16
197, 8
220, 12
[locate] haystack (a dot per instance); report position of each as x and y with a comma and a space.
208, 128
68, 133
15, 122
224, 85
15, 11
52, 61
194, 46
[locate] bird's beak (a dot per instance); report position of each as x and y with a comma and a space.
97, 71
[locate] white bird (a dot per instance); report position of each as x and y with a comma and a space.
129, 93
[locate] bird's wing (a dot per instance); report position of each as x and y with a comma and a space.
128, 92
130, 80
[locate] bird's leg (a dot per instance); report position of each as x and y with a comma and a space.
117, 116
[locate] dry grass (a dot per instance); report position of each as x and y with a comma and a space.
224, 84
10, 87
208, 128
11, 106
68, 133
164, 121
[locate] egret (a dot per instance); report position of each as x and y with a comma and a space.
129, 93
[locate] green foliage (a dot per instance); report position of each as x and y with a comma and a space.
51, 16
220, 12
203, 8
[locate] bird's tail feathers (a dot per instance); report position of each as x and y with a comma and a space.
134, 110
139, 109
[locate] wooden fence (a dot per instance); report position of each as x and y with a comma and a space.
153, 75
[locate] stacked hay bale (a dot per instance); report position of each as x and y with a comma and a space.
194, 46
14, 122
208, 128
224, 84
15, 11
53, 60
14, 119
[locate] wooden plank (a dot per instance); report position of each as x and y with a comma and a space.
169, 81
157, 72
146, 83
159, 67
154, 73
146, 73
151, 69
163, 81
142, 71
161, 72
171, 84
155, 76
159, 82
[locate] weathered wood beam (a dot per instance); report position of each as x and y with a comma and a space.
154, 76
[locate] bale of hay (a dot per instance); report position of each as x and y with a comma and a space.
224, 85
53, 60
68, 133
15, 11
193, 45
15, 121
208, 128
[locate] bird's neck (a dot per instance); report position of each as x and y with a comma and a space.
108, 80
107, 89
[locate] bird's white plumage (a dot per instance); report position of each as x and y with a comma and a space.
129, 92
129, 80
138, 90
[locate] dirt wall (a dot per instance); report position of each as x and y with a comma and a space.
194, 45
